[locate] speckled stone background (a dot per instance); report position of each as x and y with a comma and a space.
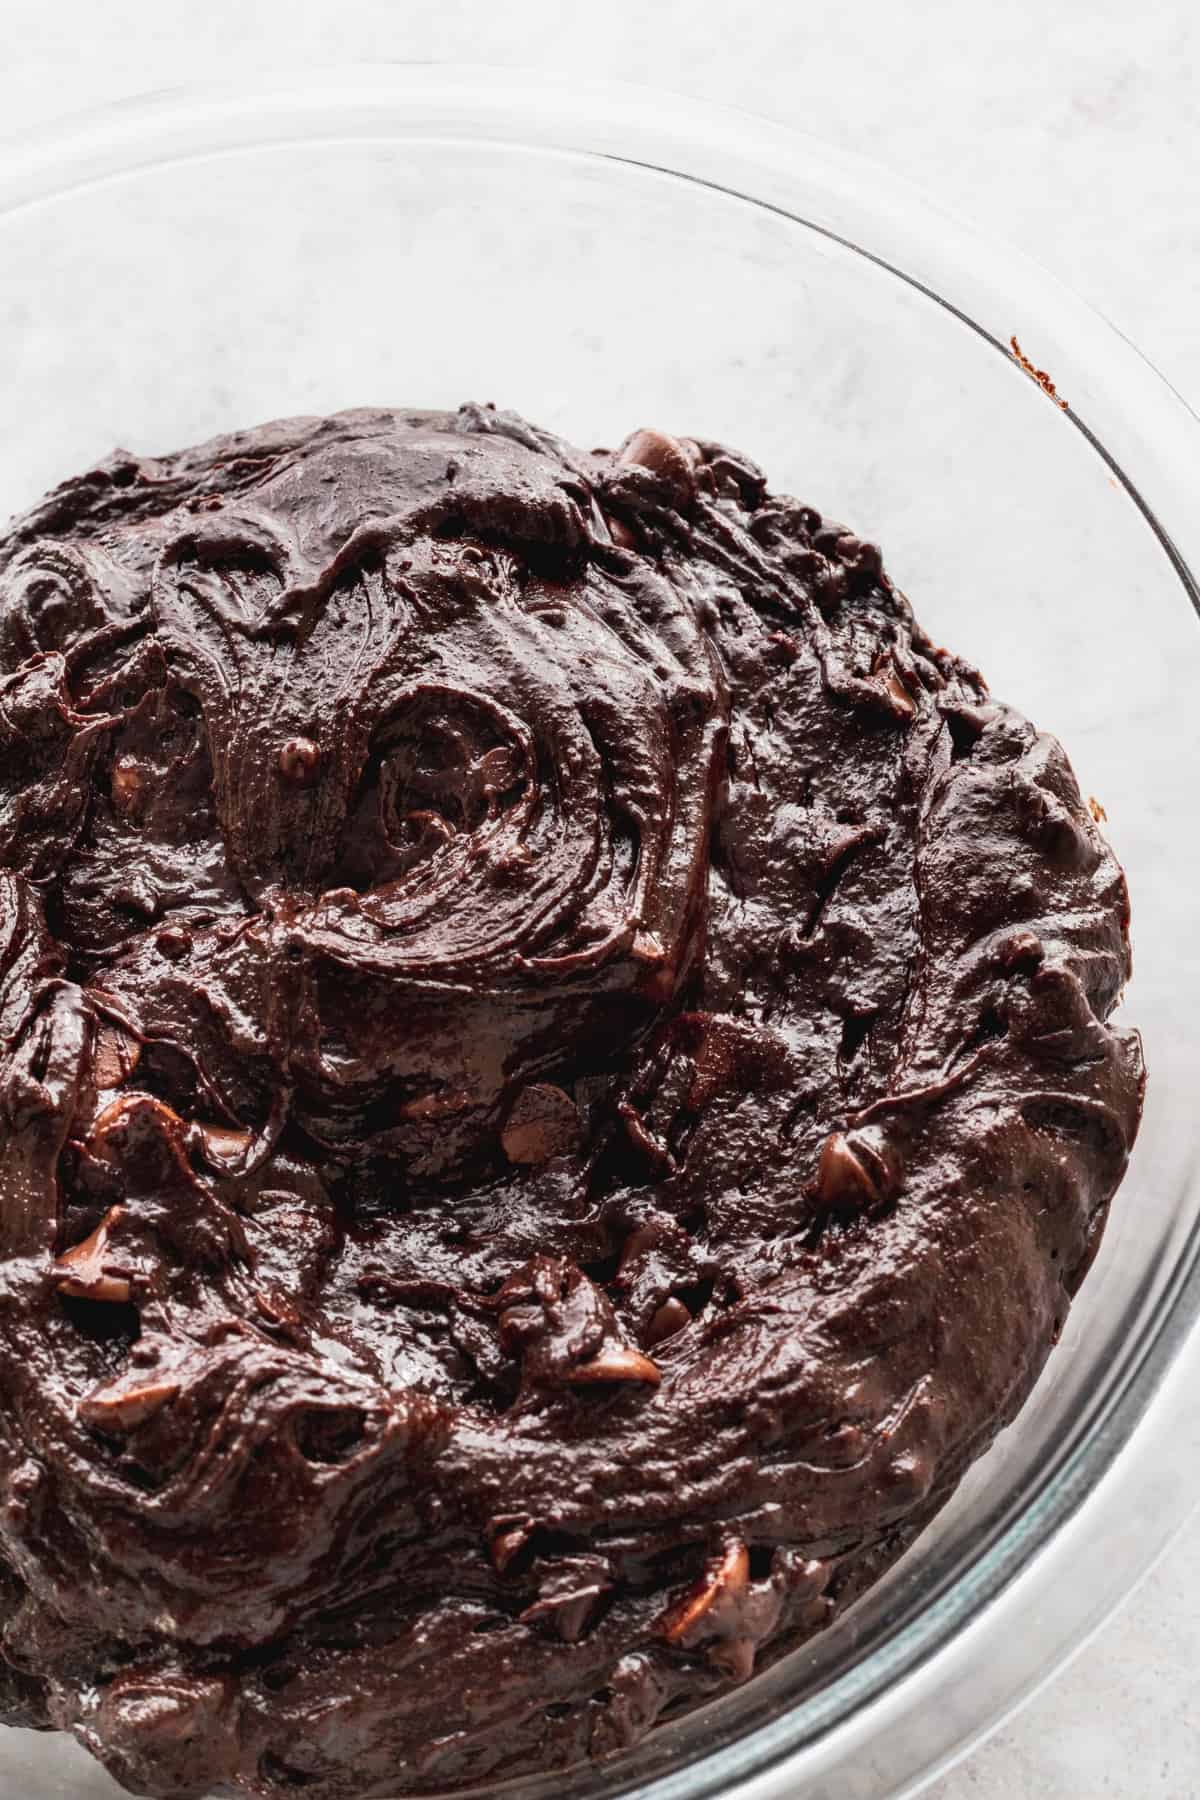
1071, 130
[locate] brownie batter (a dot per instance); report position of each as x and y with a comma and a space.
554, 1093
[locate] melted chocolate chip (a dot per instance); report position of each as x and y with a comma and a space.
299, 761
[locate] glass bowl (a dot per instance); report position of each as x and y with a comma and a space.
602, 259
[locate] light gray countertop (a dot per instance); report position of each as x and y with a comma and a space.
1071, 131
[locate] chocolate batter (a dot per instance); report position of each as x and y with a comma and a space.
554, 1093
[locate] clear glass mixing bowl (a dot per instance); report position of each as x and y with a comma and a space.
603, 259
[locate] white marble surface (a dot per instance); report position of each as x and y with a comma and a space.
1072, 131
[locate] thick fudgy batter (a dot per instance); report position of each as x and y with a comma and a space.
554, 1092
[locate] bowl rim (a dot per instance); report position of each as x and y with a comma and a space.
1146, 434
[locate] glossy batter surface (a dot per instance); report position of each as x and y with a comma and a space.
554, 1091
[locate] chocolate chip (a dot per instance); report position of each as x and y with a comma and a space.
726, 1578
508, 1538
858, 1170
80, 1272
666, 458
124, 1409
568, 1612
843, 1179
617, 1363
221, 1145
128, 786
544, 1122
115, 1055
299, 760
671, 1317
899, 699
